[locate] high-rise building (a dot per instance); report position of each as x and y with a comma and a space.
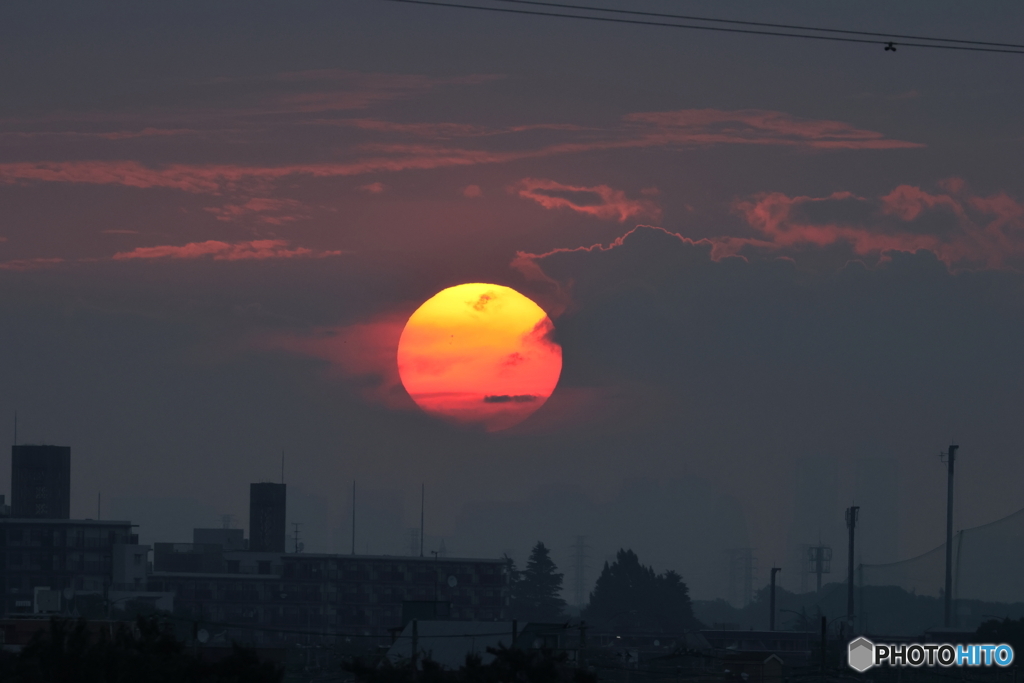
267, 517
41, 482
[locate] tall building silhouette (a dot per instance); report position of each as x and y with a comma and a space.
267, 517
41, 482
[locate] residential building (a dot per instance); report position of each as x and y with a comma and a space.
40, 482
267, 504
316, 597
61, 554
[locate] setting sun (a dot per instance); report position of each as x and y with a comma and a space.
479, 355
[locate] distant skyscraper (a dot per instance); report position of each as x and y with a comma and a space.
267, 517
41, 482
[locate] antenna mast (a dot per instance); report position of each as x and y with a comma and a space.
282, 465
15, 427
950, 459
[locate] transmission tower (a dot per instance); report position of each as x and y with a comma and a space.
579, 570
742, 574
819, 561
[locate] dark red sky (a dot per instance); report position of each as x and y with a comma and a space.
213, 222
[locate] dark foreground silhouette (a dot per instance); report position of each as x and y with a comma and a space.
533, 666
80, 652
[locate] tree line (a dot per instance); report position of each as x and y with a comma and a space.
628, 595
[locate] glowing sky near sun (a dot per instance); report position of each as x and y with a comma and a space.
480, 355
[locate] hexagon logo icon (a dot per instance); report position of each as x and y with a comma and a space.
861, 654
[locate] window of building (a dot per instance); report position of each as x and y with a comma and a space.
138, 560
263, 567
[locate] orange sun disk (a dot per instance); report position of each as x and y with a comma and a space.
479, 355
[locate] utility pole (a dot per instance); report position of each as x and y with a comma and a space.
298, 546
580, 656
436, 554
415, 647
771, 622
950, 459
852, 513
579, 570
824, 644
423, 499
353, 516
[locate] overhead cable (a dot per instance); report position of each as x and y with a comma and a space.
686, 17
890, 45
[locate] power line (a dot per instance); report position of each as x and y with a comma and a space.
797, 27
888, 44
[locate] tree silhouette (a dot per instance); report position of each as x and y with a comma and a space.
74, 651
629, 596
537, 594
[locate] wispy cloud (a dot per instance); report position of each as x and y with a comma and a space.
599, 201
962, 229
148, 132
225, 251
756, 127
667, 130
364, 351
265, 210
29, 263
958, 226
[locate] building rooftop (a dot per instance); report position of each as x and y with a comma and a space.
66, 522
387, 558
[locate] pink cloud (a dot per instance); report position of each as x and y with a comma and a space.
266, 210
908, 202
758, 127
105, 135
986, 232
30, 263
224, 251
373, 188
603, 201
342, 90
443, 129
472, 191
127, 173
364, 351
684, 128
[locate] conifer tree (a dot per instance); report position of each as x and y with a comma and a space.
538, 589
631, 597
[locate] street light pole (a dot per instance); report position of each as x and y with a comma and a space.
771, 621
